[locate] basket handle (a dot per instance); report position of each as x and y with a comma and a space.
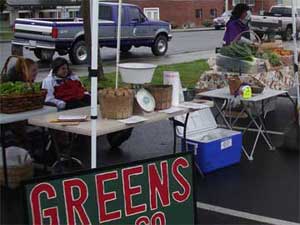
23, 65
248, 31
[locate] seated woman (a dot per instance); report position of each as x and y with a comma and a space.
17, 72
64, 89
14, 74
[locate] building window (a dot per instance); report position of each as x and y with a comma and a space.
251, 3
213, 13
152, 13
199, 13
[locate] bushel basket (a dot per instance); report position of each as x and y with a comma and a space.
19, 166
116, 103
162, 95
15, 103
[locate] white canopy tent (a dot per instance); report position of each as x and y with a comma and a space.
94, 11
94, 15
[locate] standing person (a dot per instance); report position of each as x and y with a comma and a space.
17, 73
238, 24
64, 89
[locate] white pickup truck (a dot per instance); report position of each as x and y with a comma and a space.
277, 21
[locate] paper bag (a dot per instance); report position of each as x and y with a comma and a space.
173, 78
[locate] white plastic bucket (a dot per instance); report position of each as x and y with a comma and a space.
137, 73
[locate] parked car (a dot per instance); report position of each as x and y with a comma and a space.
278, 21
65, 36
221, 21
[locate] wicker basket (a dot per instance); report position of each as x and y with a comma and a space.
16, 173
24, 102
116, 103
162, 95
21, 103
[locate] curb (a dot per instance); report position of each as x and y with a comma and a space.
193, 29
4, 41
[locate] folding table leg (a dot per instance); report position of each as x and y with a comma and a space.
264, 130
4, 155
220, 112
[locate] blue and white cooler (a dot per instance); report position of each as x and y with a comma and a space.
214, 147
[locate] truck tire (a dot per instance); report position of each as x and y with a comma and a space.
288, 34
126, 48
160, 46
78, 53
44, 55
118, 138
260, 34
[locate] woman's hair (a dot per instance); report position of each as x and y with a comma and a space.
57, 63
238, 10
22, 65
20, 62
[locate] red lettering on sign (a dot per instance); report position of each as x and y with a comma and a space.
104, 197
76, 206
158, 218
142, 220
130, 191
183, 163
37, 213
159, 186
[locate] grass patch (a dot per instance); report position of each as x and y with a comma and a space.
5, 31
189, 74
6, 36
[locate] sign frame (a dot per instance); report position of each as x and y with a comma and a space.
113, 167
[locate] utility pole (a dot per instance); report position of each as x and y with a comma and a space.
226, 6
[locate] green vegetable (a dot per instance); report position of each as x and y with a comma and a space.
240, 51
18, 87
273, 58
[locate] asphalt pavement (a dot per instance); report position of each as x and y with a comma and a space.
184, 47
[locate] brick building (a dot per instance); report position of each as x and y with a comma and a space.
195, 13
181, 13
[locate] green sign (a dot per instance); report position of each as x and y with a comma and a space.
152, 192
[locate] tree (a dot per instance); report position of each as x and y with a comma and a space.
2, 5
85, 10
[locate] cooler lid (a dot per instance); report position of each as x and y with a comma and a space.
199, 121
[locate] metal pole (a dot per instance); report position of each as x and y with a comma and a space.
118, 41
296, 68
94, 10
226, 6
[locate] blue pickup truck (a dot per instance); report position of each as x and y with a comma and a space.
45, 37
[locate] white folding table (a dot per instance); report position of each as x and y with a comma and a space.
249, 106
16, 117
104, 126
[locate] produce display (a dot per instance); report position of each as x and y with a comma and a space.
240, 51
111, 92
19, 88
116, 103
282, 52
273, 58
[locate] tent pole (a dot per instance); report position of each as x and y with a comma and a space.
296, 69
118, 42
94, 10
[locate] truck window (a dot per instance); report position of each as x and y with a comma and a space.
135, 14
281, 11
105, 12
